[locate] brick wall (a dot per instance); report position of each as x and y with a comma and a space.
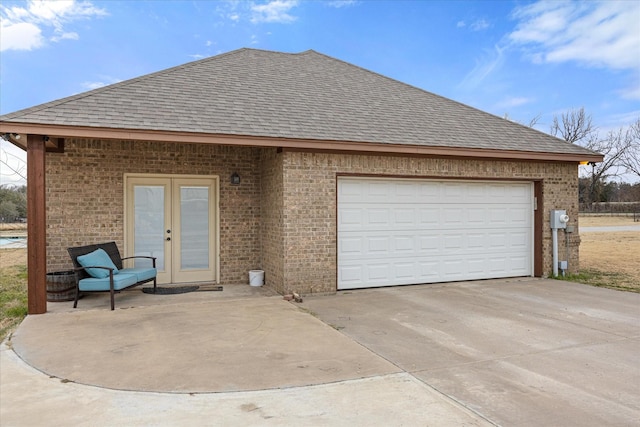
281, 218
310, 204
272, 203
85, 195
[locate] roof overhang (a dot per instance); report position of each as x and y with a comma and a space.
57, 133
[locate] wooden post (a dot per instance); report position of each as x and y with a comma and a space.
36, 226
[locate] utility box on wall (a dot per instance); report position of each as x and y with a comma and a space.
559, 218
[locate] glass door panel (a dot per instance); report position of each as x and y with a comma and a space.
194, 228
194, 219
149, 220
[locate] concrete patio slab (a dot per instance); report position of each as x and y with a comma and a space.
192, 349
214, 346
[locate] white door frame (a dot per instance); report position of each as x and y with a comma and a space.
215, 221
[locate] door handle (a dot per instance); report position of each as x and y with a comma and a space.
168, 239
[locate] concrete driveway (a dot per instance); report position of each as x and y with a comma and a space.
522, 352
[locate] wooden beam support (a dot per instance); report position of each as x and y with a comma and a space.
352, 147
55, 145
36, 225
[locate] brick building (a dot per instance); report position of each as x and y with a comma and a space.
325, 175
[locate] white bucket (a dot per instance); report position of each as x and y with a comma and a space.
256, 277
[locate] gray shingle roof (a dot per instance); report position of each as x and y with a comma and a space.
303, 96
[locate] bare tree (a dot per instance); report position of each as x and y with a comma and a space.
11, 165
573, 126
631, 158
534, 121
614, 147
576, 127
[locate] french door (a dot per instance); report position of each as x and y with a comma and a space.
174, 218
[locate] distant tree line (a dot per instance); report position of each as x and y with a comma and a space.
610, 196
13, 203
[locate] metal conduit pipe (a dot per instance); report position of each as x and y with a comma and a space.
558, 219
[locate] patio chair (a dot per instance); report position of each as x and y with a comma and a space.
99, 268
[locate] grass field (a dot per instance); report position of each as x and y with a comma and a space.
607, 259
13, 289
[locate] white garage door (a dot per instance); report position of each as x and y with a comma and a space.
409, 231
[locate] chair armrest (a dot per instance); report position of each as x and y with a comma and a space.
152, 258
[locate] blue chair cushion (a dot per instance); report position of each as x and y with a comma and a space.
97, 258
142, 273
120, 281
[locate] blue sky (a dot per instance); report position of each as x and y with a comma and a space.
518, 58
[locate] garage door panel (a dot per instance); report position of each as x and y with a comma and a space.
351, 245
350, 218
349, 274
519, 263
519, 216
377, 245
428, 244
428, 216
403, 272
377, 217
476, 266
498, 264
453, 242
476, 241
519, 241
395, 231
387, 244
498, 241
476, 216
402, 244
429, 269
378, 272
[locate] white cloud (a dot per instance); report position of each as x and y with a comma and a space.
615, 121
105, 80
92, 85
23, 28
479, 25
600, 34
514, 101
275, 11
632, 92
20, 36
341, 3
492, 60
460, 24
65, 36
